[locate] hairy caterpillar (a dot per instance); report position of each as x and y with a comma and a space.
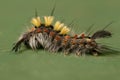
55, 38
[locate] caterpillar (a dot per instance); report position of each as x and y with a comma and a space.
56, 38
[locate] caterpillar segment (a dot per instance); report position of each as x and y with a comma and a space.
55, 38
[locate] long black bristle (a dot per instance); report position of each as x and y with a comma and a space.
89, 29
53, 10
103, 33
36, 13
108, 25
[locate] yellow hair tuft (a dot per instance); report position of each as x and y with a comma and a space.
48, 20
36, 21
64, 30
58, 26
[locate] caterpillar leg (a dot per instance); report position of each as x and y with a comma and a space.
95, 53
78, 53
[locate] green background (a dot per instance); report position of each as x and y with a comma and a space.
15, 16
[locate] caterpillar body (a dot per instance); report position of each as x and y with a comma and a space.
55, 38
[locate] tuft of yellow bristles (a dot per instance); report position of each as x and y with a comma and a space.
64, 30
58, 26
36, 21
48, 20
